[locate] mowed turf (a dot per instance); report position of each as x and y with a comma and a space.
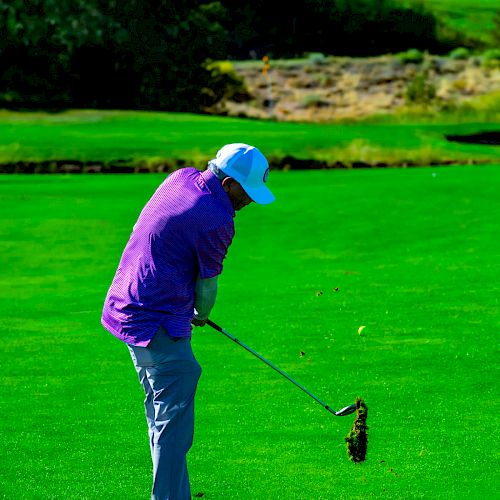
411, 254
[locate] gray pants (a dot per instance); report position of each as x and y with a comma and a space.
169, 373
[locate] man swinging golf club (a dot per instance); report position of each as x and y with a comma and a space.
167, 280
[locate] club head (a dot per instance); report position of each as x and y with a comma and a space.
346, 411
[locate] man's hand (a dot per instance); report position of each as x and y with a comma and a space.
199, 322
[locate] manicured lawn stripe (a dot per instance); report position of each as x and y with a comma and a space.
415, 257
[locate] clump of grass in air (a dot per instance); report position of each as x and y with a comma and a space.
357, 439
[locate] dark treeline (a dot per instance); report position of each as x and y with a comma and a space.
150, 54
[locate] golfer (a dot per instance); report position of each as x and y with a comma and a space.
167, 280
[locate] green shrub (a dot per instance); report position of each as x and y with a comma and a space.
420, 90
411, 56
224, 84
316, 57
312, 101
491, 58
459, 53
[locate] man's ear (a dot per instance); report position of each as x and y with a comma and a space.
226, 184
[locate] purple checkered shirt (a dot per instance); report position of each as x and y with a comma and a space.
182, 233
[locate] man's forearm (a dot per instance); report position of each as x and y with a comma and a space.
204, 296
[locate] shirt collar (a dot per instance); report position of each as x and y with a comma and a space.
216, 188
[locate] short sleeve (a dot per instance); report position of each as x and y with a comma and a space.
212, 248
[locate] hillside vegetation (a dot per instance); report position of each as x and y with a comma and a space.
154, 55
478, 21
324, 89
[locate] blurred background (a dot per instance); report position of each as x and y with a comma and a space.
184, 55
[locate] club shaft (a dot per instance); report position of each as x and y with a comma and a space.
268, 363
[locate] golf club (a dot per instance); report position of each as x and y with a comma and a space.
347, 410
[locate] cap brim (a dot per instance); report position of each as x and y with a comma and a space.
261, 195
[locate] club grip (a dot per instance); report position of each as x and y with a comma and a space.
213, 325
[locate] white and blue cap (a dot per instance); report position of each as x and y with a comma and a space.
247, 165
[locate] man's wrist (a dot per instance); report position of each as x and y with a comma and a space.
198, 322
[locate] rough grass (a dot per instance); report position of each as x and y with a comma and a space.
155, 138
414, 255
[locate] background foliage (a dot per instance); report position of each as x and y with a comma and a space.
152, 54
140, 54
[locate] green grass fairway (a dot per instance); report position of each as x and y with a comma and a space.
471, 17
151, 138
414, 254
